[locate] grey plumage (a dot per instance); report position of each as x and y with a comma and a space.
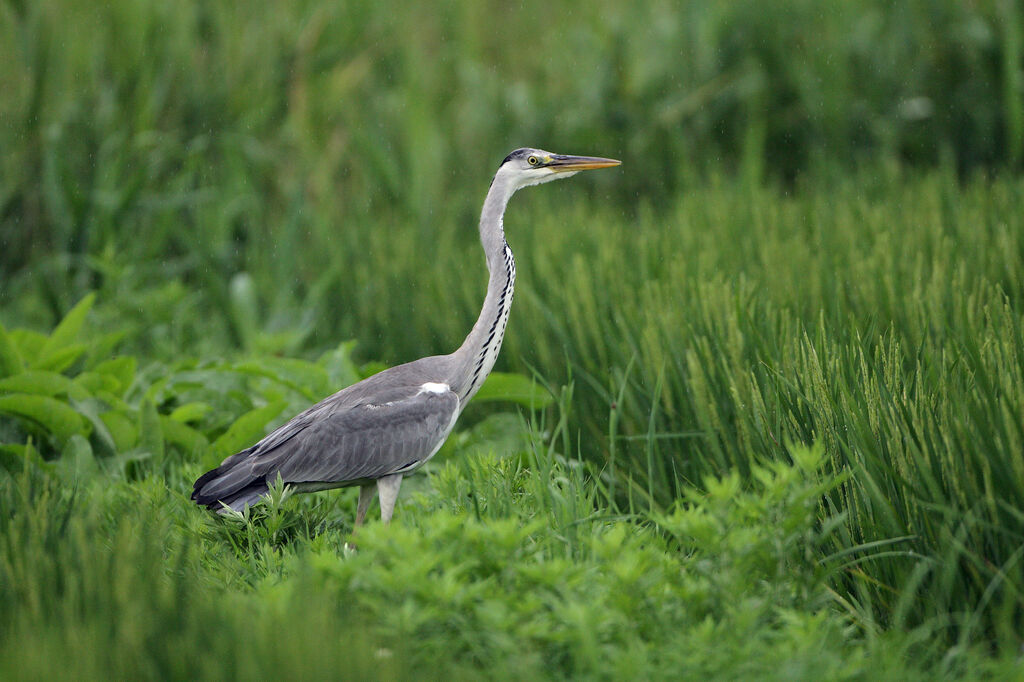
388, 425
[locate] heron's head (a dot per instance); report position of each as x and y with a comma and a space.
525, 167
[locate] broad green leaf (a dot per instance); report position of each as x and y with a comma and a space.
95, 382
59, 360
77, 459
123, 428
246, 430
498, 434
156, 389
91, 409
27, 341
10, 359
101, 348
184, 436
52, 415
151, 434
191, 412
41, 382
121, 368
114, 402
304, 377
513, 388
341, 371
67, 330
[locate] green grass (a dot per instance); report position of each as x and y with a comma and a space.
698, 345
499, 566
211, 129
784, 341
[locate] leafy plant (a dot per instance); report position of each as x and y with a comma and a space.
77, 405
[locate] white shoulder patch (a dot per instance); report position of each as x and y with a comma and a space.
431, 387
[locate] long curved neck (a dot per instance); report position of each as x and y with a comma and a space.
473, 361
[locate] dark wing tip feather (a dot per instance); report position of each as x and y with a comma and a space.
211, 488
236, 499
236, 495
197, 487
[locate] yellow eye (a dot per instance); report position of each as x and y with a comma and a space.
532, 161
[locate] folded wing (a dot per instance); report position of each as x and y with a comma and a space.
333, 445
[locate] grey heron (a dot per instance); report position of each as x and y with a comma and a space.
386, 426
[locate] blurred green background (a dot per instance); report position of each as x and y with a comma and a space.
297, 141
815, 237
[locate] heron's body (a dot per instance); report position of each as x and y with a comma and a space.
388, 425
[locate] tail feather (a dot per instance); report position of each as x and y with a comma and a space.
229, 484
238, 501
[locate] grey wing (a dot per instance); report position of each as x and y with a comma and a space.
362, 442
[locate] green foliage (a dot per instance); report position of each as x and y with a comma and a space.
64, 398
170, 592
890, 335
507, 387
111, 581
202, 411
233, 139
884, 324
512, 556
197, 201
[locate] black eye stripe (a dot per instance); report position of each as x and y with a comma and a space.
525, 154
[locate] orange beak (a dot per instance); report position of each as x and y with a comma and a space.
561, 163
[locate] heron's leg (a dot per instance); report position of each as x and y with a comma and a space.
365, 498
388, 488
